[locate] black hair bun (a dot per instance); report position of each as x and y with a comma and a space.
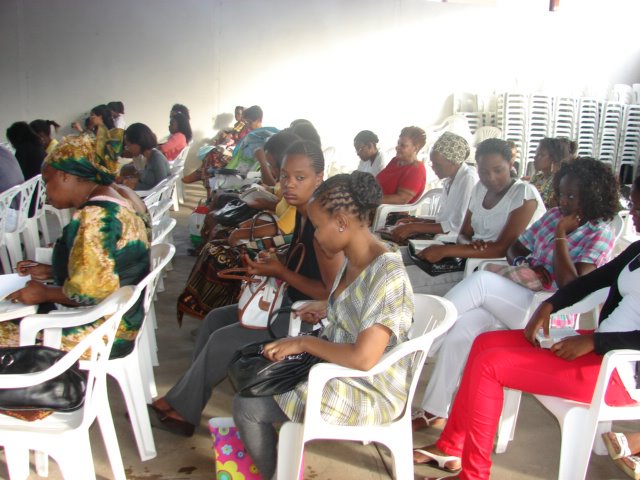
365, 189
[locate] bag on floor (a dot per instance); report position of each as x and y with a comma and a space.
231, 458
204, 290
196, 220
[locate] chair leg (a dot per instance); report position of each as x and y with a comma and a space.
401, 448
76, 463
130, 380
108, 431
290, 449
42, 463
507, 424
17, 458
575, 449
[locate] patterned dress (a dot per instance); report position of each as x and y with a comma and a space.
380, 295
104, 247
545, 187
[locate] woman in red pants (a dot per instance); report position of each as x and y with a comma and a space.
569, 369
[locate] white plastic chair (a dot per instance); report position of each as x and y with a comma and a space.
428, 206
30, 233
177, 168
434, 316
506, 427
134, 372
10, 253
64, 436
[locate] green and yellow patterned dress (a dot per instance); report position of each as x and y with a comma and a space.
382, 295
104, 247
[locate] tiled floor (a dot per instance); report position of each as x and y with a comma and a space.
533, 454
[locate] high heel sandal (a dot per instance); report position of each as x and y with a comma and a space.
441, 460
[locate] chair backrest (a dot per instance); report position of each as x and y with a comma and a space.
98, 343
161, 254
429, 204
160, 230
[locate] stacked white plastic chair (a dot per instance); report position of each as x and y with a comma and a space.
513, 114
588, 126
564, 117
434, 316
65, 435
17, 198
629, 146
539, 118
609, 133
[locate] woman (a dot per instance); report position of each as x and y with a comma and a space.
500, 209
140, 140
180, 137
117, 114
100, 116
550, 155
28, 148
220, 334
104, 247
405, 177
458, 179
179, 108
567, 242
569, 369
371, 159
370, 310
43, 130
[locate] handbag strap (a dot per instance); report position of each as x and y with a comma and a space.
293, 250
237, 273
257, 216
272, 317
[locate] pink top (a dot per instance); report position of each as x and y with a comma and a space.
173, 146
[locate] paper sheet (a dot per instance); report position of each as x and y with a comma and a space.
11, 282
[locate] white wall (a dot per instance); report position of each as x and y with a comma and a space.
346, 65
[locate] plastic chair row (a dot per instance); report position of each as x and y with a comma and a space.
427, 206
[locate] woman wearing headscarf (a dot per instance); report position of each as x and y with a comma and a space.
458, 179
104, 247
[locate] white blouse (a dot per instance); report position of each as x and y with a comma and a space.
488, 223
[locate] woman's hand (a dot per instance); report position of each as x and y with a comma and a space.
540, 318
568, 224
401, 231
266, 264
478, 245
33, 293
38, 271
312, 312
434, 253
408, 219
573, 347
280, 349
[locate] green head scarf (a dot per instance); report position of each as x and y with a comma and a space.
85, 156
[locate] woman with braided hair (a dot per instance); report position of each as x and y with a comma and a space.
369, 311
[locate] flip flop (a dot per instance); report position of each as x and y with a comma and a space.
441, 460
617, 445
421, 416
630, 465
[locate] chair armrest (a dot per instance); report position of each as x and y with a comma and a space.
611, 360
52, 323
486, 261
383, 211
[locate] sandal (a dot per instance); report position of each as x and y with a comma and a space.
441, 460
420, 417
630, 465
617, 445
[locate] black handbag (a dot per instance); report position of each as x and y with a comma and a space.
446, 265
252, 375
234, 212
63, 393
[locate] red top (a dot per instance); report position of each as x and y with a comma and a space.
409, 177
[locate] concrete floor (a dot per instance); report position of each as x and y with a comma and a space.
534, 453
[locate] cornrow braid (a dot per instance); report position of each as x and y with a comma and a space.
308, 149
356, 193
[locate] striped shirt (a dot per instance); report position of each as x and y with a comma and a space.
381, 295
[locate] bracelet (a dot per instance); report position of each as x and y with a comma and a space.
520, 260
561, 238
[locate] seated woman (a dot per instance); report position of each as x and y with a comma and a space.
28, 148
370, 310
180, 131
43, 130
117, 114
371, 159
500, 209
140, 140
220, 334
100, 116
550, 155
404, 178
458, 179
567, 242
569, 369
104, 247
